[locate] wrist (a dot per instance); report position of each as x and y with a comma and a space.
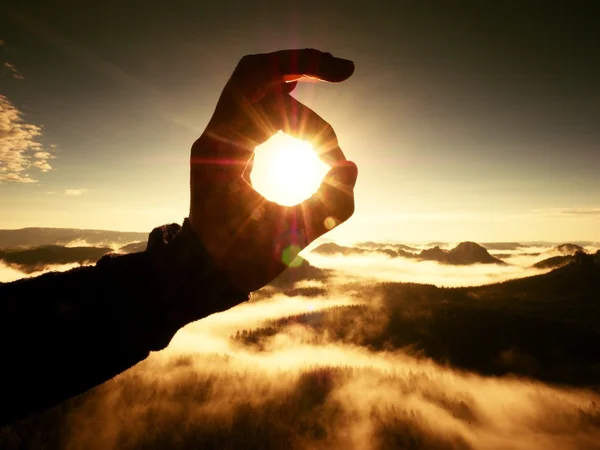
192, 286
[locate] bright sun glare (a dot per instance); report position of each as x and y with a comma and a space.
287, 170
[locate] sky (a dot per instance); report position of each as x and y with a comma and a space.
468, 121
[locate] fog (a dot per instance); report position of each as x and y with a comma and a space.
212, 333
86, 243
304, 389
377, 266
353, 397
382, 268
8, 274
528, 256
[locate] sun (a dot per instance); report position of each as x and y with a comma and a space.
287, 170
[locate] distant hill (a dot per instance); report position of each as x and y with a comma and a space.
134, 247
568, 249
31, 237
330, 248
567, 254
378, 245
433, 254
554, 262
545, 327
502, 245
510, 255
300, 270
437, 244
38, 258
463, 254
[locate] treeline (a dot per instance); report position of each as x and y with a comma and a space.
545, 327
341, 324
211, 403
286, 410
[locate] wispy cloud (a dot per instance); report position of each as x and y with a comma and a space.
356, 397
570, 212
74, 192
13, 71
425, 216
381, 268
19, 149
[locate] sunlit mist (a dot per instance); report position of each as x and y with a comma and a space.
287, 170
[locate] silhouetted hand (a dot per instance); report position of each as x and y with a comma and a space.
252, 239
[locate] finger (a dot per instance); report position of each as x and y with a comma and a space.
309, 62
342, 177
240, 123
300, 121
289, 86
222, 152
254, 72
333, 202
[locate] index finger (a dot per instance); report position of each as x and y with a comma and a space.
289, 65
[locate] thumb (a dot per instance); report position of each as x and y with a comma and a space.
343, 175
333, 203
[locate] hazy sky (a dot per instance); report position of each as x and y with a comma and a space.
479, 123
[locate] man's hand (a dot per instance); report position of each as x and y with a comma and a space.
250, 238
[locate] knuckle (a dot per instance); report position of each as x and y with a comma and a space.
328, 130
348, 211
250, 62
246, 59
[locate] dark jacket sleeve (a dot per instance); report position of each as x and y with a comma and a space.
64, 333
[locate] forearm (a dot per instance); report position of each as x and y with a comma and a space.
64, 333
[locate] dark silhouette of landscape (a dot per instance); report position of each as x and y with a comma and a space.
36, 259
465, 253
554, 261
545, 327
31, 250
31, 237
356, 362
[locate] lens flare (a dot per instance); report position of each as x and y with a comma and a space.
289, 254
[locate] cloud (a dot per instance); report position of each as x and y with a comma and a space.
13, 71
65, 192
18, 263
570, 212
353, 390
205, 392
19, 149
378, 402
464, 253
9, 272
74, 192
381, 268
